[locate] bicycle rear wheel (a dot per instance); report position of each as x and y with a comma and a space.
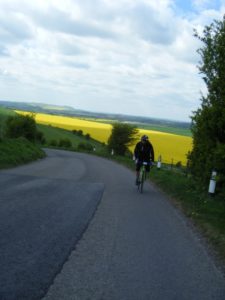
142, 179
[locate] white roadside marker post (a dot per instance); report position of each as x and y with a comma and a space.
212, 183
159, 162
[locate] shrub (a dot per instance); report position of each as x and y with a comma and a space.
87, 136
179, 164
80, 132
85, 147
53, 143
65, 143
21, 126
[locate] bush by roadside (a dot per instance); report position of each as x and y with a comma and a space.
85, 147
21, 126
65, 143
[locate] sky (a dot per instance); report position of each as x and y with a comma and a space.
134, 57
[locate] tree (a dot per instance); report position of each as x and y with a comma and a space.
21, 126
80, 132
122, 136
87, 136
208, 122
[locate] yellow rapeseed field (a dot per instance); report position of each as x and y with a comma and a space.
98, 131
169, 146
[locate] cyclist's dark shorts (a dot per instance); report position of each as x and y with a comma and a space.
139, 164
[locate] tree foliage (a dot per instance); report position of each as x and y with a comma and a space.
21, 126
208, 122
87, 136
80, 132
122, 136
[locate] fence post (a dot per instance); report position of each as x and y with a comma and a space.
112, 152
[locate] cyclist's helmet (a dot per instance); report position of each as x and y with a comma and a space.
144, 138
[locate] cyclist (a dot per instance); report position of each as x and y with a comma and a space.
143, 152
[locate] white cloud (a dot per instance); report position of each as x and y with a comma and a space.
127, 56
201, 4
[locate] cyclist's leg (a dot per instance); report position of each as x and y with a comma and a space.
142, 178
138, 166
147, 171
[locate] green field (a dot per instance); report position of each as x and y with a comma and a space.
167, 129
53, 133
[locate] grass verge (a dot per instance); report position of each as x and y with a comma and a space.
15, 152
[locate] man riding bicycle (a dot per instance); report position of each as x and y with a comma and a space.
143, 152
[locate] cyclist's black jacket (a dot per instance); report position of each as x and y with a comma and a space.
144, 152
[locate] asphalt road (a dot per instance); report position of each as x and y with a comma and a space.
135, 246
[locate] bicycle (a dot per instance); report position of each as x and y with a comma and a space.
142, 177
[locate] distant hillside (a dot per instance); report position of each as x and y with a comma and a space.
70, 111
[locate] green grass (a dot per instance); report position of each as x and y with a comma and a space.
15, 152
57, 134
51, 133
